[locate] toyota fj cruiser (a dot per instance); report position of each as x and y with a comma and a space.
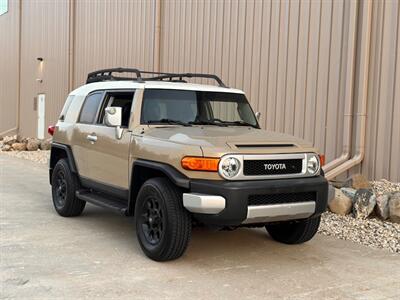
176, 154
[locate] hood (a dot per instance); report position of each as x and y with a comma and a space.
215, 140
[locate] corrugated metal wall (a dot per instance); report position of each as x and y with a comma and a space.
296, 60
291, 58
112, 33
44, 33
383, 128
9, 67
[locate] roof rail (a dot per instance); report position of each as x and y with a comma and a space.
107, 75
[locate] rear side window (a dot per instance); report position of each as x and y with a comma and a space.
90, 108
66, 107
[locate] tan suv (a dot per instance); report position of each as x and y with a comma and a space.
175, 154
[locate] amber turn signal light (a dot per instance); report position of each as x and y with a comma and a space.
200, 163
322, 159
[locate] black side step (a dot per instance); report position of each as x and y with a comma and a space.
98, 199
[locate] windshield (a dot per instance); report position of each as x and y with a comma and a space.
184, 107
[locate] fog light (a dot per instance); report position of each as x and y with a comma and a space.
229, 167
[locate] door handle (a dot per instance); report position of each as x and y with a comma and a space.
92, 138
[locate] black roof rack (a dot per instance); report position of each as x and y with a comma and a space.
107, 75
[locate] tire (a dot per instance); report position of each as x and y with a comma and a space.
163, 225
64, 186
294, 232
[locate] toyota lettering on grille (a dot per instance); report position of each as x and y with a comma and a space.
275, 166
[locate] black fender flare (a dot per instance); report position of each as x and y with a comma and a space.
173, 174
136, 181
53, 157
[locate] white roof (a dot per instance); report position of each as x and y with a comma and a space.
125, 84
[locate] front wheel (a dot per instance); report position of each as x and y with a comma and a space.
294, 232
163, 225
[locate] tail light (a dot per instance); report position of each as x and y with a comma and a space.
51, 129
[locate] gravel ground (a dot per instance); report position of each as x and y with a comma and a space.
371, 232
383, 186
37, 156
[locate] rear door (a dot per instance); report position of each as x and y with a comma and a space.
82, 129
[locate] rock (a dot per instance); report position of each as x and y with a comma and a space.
364, 203
340, 204
394, 207
357, 181
349, 192
19, 146
22, 139
6, 148
32, 145
9, 140
382, 206
331, 192
45, 145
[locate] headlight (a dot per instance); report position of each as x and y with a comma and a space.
313, 164
229, 167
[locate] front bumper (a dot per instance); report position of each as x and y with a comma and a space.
225, 203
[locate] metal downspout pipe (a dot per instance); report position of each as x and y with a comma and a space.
349, 96
157, 36
362, 94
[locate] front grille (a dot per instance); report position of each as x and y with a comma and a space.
272, 167
281, 198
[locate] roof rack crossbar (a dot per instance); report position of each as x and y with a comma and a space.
107, 74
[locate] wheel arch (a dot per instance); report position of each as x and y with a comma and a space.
142, 170
59, 151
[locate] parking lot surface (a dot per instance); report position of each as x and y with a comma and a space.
96, 256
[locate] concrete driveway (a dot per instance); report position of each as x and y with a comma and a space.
96, 256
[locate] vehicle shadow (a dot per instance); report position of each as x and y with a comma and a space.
205, 243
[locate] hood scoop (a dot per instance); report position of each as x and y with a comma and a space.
247, 146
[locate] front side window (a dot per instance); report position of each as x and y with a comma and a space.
196, 107
90, 108
3, 6
118, 99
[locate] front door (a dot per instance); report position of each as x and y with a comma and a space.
107, 155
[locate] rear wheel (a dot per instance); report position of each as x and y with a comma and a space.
163, 226
63, 186
294, 232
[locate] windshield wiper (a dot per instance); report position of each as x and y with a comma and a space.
219, 122
168, 121
240, 123
207, 123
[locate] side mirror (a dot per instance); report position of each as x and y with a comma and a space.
113, 118
258, 116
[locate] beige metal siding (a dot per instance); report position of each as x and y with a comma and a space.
383, 121
112, 34
9, 66
296, 60
43, 34
290, 58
